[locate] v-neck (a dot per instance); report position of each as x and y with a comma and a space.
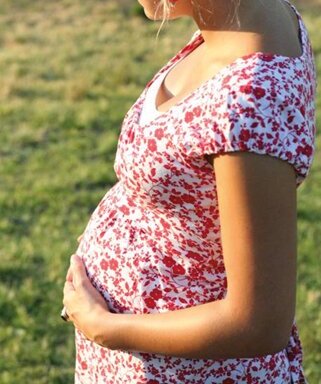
196, 42
149, 102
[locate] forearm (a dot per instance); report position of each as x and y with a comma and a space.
208, 331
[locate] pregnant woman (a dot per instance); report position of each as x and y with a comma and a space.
186, 271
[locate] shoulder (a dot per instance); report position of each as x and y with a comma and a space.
269, 83
262, 104
263, 68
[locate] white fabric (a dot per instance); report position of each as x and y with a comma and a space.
149, 111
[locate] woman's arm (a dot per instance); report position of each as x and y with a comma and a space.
257, 204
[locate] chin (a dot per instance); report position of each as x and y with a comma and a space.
150, 15
150, 11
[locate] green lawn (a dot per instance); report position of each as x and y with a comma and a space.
69, 71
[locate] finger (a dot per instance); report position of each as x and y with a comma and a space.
69, 274
79, 238
68, 288
79, 274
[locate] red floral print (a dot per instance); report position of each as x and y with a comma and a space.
189, 117
258, 92
104, 264
159, 133
152, 146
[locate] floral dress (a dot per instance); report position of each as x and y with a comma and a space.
153, 243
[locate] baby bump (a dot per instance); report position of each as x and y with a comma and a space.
143, 262
137, 274
110, 251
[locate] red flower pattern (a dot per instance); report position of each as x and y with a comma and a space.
189, 117
259, 92
156, 294
152, 146
159, 133
153, 243
113, 264
104, 264
150, 302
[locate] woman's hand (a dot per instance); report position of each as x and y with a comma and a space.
80, 237
84, 304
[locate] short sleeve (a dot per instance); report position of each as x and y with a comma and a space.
256, 110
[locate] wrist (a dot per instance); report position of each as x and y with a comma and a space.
108, 329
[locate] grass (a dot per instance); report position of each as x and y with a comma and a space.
70, 70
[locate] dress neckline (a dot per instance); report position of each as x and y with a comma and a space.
196, 41
149, 102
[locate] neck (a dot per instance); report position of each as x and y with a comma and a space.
227, 25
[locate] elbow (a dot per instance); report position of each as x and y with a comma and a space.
260, 333
268, 337
269, 346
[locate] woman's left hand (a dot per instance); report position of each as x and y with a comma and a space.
84, 304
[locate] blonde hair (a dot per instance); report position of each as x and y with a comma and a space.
166, 6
